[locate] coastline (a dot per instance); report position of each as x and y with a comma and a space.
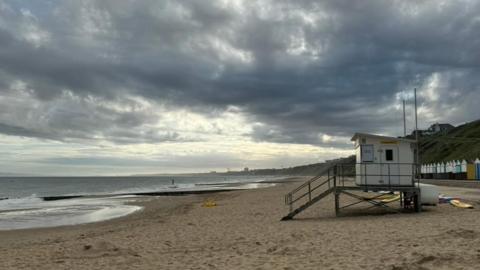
244, 232
88, 206
154, 201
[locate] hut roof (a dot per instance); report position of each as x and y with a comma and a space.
381, 137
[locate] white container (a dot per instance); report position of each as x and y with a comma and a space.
429, 194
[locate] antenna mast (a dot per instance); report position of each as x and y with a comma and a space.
416, 130
404, 120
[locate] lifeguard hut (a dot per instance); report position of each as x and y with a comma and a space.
382, 165
382, 160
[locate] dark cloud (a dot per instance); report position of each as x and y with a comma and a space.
300, 68
20, 131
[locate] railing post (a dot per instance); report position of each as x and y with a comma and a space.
414, 174
342, 175
337, 199
413, 177
335, 176
417, 168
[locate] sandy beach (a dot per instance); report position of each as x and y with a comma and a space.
244, 231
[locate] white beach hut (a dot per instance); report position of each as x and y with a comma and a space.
439, 167
449, 167
457, 166
463, 166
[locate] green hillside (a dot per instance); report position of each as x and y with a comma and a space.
462, 142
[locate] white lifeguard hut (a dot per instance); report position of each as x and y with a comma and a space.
383, 165
384, 161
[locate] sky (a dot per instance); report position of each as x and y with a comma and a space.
119, 87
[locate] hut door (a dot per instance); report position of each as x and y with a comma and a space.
389, 167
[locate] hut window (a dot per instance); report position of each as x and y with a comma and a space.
389, 155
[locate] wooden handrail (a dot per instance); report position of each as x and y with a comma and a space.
289, 197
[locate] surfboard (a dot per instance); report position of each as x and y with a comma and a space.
392, 198
460, 204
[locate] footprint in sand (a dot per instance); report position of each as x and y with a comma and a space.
462, 233
104, 249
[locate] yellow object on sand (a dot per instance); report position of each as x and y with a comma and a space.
209, 203
460, 204
391, 198
384, 198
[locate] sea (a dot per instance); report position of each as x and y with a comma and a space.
36, 202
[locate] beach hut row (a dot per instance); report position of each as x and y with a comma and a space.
455, 169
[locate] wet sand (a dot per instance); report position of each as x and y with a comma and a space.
244, 231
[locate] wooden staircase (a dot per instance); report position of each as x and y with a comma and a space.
311, 192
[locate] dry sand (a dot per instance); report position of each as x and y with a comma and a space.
244, 232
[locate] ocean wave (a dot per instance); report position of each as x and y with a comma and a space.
32, 212
31, 201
